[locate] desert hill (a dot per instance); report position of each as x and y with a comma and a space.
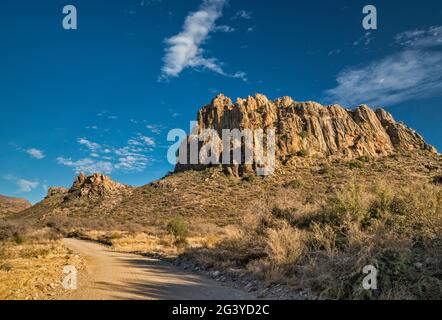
9, 205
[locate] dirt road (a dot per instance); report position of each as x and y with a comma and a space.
114, 275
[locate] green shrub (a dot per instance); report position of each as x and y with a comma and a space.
283, 214
18, 238
249, 178
6, 267
294, 184
302, 153
437, 180
355, 164
177, 227
303, 134
364, 159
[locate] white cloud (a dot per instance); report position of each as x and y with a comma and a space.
224, 28
35, 153
106, 159
147, 140
421, 38
408, 74
24, 184
157, 129
184, 49
365, 40
89, 144
242, 14
87, 165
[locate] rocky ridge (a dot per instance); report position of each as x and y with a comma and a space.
308, 128
9, 205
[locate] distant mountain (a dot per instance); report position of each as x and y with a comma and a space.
9, 205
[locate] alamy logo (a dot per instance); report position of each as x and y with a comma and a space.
206, 147
370, 21
70, 20
370, 282
70, 278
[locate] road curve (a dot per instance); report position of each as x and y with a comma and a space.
111, 275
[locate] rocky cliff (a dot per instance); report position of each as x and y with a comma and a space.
308, 128
9, 205
96, 185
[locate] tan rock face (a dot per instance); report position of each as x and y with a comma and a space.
9, 205
310, 128
53, 191
96, 185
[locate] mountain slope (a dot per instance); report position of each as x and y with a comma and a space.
9, 205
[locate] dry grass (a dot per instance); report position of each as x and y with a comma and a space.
33, 269
398, 231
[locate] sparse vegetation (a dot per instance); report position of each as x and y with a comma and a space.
249, 178
356, 164
177, 227
437, 180
294, 184
302, 153
398, 231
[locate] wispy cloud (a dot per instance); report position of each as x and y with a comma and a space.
92, 146
421, 38
242, 14
184, 49
413, 72
107, 159
87, 165
155, 128
36, 153
224, 28
23, 184
365, 40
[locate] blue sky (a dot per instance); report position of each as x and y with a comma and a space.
104, 96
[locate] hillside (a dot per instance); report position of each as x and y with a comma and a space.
9, 205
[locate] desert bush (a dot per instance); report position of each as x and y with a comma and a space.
294, 184
249, 178
6, 267
303, 134
437, 180
177, 227
356, 164
302, 153
14, 231
286, 215
285, 245
18, 238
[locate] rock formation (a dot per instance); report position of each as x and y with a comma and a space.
9, 205
303, 128
94, 186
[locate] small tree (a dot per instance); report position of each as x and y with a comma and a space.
177, 227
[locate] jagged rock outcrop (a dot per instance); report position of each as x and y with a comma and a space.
54, 191
94, 186
10, 205
307, 128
